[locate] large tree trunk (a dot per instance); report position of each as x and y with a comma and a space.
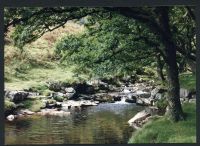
174, 108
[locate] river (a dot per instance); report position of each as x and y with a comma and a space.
102, 124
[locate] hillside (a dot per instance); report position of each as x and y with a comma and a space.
38, 63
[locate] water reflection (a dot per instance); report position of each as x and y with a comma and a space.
102, 124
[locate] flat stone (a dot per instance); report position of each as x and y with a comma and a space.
138, 117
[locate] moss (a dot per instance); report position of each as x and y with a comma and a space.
8, 105
33, 105
161, 130
59, 98
46, 92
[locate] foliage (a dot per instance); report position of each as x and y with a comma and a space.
162, 104
188, 81
8, 105
39, 88
107, 47
118, 40
155, 131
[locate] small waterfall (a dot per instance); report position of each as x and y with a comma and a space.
122, 101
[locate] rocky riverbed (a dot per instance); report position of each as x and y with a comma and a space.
65, 98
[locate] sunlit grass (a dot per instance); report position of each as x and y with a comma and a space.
162, 130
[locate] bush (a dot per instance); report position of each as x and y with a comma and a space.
162, 104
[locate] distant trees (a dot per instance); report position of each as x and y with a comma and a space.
118, 39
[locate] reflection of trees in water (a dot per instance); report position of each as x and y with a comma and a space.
79, 115
83, 126
23, 124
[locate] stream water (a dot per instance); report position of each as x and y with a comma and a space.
102, 124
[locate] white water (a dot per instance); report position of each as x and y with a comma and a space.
122, 101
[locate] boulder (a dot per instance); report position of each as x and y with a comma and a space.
157, 90
103, 86
143, 94
87, 103
144, 101
117, 98
17, 96
71, 96
85, 97
51, 103
70, 90
130, 100
84, 88
152, 110
58, 104
158, 96
10, 117
138, 118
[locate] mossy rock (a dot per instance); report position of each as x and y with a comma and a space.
8, 106
59, 98
34, 105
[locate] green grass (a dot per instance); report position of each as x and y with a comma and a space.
39, 76
33, 105
161, 130
188, 81
38, 63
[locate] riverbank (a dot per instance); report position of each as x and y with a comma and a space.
161, 130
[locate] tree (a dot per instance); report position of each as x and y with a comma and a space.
159, 21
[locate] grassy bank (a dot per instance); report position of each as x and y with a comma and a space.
38, 63
161, 130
